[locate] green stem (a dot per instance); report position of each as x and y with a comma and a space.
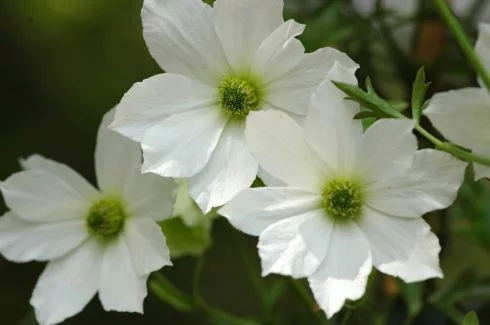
308, 301
452, 149
463, 40
211, 310
168, 293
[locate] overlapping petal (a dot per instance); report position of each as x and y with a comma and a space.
156, 98
231, 169
182, 144
253, 210
482, 47
278, 144
116, 157
330, 128
387, 149
280, 52
431, 183
121, 288
292, 90
402, 247
242, 25
148, 195
146, 246
181, 37
283, 246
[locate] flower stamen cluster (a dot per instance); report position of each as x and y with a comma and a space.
106, 218
237, 97
343, 200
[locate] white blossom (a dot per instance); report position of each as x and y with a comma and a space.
351, 200
223, 64
104, 241
463, 116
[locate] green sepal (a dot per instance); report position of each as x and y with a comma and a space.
369, 99
420, 87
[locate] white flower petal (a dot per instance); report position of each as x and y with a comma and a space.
462, 116
255, 209
71, 177
330, 127
242, 25
68, 284
38, 196
283, 246
149, 102
292, 90
279, 52
482, 47
146, 245
181, 37
115, 157
278, 144
348, 251
387, 148
149, 196
402, 247
231, 169
431, 183
268, 179
22, 241
182, 144
331, 293
120, 287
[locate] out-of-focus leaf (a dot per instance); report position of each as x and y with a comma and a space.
412, 294
471, 319
467, 287
186, 240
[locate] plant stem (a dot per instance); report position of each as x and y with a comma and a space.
211, 310
166, 292
308, 300
452, 149
463, 40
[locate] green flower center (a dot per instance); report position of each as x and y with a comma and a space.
343, 200
237, 97
106, 217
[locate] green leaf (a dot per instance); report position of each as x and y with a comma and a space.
167, 292
369, 99
399, 105
471, 319
364, 114
418, 94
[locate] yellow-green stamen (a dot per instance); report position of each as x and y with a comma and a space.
343, 200
106, 217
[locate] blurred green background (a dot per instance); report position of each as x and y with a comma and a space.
64, 63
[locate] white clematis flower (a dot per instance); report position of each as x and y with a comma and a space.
223, 64
463, 116
351, 200
103, 241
